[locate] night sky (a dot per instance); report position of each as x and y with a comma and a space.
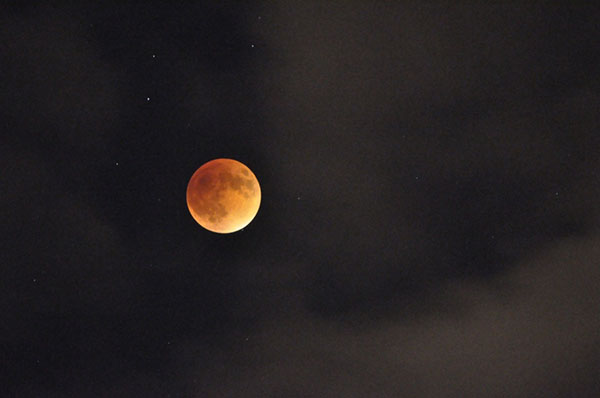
429, 225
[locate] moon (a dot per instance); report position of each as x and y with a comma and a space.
223, 196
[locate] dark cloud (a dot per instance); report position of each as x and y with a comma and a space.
537, 338
424, 142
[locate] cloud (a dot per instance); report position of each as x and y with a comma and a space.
416, 143
537, 336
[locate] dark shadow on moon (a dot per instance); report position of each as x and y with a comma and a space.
244, 186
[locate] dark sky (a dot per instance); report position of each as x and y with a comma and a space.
429, 226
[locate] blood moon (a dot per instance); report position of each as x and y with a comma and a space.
223, 196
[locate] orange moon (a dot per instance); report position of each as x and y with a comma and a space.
223, 196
